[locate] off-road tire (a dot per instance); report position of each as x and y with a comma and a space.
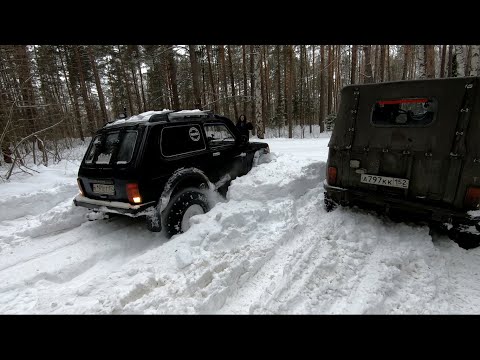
178, 206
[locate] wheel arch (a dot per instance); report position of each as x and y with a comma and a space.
181, 179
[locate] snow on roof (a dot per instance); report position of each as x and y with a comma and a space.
138, 118
187, 112
143, 117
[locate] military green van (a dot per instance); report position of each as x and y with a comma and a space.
410, 148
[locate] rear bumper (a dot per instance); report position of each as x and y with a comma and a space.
116, 207
416, 209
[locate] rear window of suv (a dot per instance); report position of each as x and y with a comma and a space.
114, 144
405, 112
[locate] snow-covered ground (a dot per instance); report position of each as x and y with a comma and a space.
269, 248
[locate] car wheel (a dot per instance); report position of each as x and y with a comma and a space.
184, 205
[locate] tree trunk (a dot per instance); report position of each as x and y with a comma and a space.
139, 65
101, 97
389, 69
460, 52
210, 75
354, 64
195, 77
172, 73
368, 65
266, 77
232, 81
252, 88
313, 87
83, 89
468, 50
430, 61
279, 112
223, 72
422, 73
330, 79
72, 93
133, 71
26, 87
288, 88
381, 69
442, 61
127, 82
245, 84
474, 61
450, 61
376, 59
322, 89
302, 108
258, 91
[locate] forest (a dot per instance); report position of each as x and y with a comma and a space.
51, 94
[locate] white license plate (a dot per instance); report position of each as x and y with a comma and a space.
103, 189
384, 181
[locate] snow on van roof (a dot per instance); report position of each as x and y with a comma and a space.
143, 117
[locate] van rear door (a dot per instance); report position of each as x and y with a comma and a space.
396, 138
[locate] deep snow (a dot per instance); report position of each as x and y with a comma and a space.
269, 248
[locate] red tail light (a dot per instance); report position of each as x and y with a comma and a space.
133, 193
80, 187
472, 198
332, 175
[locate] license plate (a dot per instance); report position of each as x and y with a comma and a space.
103, 189
384, 181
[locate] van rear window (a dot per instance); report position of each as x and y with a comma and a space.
407, 112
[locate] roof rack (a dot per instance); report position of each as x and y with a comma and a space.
160, 117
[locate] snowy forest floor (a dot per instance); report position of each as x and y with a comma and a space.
270, 248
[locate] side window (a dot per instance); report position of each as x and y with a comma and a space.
409, 112
218, 135
179, 140
126, 147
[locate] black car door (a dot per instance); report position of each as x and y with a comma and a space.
227, 160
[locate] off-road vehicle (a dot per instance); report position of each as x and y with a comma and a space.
410, 148
161, 164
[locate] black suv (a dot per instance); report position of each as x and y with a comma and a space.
160, 164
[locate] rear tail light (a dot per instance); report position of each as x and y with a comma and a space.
80, 187
472, 197
332, 175
133, 193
